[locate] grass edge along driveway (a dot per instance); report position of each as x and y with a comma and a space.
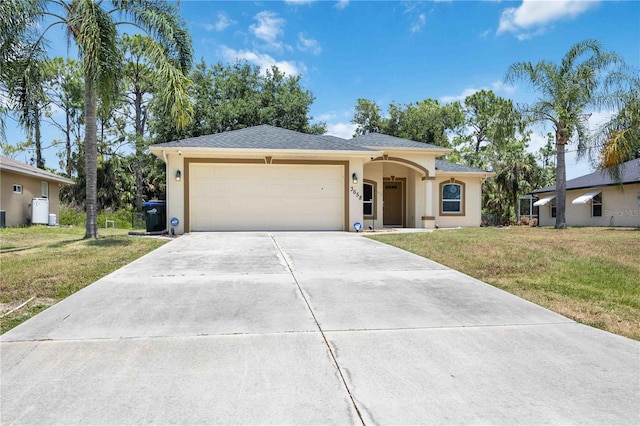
587, 274
42, 265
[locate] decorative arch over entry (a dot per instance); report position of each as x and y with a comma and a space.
408, 163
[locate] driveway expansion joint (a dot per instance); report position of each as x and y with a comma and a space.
285, 258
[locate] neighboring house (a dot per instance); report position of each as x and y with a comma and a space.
595, 199
269, 178
20, 184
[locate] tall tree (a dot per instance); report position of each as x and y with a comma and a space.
490, 122
238, 95
64, 89
367, 117
92, 25
425, 121
566, 91
140, 84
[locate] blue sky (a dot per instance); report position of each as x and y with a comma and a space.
392, 51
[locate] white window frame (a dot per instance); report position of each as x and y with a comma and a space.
45, 192
553, 211
372, 201
595, 203
17, 188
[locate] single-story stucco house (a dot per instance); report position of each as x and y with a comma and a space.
269, 178
20, 184
596, 199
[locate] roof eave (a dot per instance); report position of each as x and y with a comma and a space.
160, 151
43, 176
470, 174
437, 151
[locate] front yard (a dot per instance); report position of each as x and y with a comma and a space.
43, 265
591, 275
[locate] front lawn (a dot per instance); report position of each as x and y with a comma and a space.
591, 275
43, 265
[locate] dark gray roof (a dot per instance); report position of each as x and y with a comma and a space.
266, 137
447, 166
380, 140
630, 173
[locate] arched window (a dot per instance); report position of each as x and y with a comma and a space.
452, 198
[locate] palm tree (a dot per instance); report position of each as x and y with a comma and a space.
567, 90
618, 140
92, 24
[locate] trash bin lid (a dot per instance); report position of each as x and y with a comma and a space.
153, 203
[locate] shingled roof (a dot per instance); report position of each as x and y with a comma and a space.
381, 140
270, 137
630, 173
15, 166
266, 137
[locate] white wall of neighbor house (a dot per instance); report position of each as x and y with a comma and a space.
471, 216
620, 207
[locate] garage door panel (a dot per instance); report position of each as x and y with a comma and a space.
266, 197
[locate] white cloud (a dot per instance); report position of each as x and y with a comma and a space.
461, 97
263, 60
537, 14
341, 130
269, 27
309, 45
341, 4
497, 87
419, 24
221, 24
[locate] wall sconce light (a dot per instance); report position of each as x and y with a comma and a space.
354, 177
178, 175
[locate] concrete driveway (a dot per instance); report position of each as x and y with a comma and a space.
308, 328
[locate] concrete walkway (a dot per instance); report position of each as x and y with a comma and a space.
308, 328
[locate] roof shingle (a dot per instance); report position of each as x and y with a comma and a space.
630, 174
265, 137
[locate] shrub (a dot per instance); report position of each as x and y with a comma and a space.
72, 217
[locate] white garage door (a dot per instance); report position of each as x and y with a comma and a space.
273, 197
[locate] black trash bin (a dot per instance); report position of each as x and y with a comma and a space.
155, 215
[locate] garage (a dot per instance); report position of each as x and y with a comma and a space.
241, 196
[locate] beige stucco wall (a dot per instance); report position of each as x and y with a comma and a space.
619, 208
175, 189
419, 191
18, 206
472, 199
175, 192
370, 168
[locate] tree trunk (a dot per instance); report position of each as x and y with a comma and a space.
38, 138
561, 182
68, 145
139, 123
90, 158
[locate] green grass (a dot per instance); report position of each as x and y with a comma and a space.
587, 274
52, 263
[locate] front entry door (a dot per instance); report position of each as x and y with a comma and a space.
393, 203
